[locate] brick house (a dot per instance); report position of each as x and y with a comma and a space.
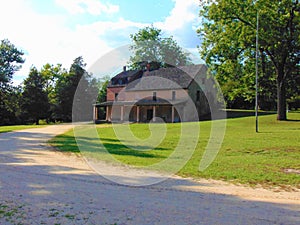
173, 94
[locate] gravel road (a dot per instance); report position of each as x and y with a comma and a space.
39, 185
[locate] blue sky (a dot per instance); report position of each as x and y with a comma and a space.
57, 31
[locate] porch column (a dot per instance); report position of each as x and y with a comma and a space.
94, 114
107, 113
173, 114
137, 114
154, 113
122, 113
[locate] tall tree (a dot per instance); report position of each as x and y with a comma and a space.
10, 106
102, 83
148, 45
228, 32
51, 74
10, 61
74, 91
35, 104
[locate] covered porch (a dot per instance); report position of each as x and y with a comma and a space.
140, 111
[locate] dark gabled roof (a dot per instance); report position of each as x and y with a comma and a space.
166, 78
124, 77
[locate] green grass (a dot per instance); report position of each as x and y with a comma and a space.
4, 129
245, 156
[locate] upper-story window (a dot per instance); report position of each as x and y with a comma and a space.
116, 96
198, 96
173, 95
154, 96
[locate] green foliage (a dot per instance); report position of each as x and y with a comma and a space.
229, 33
149, 46
35, 103
65, 90
103, 86
10, 105
47, 94
51, 74
10, 60
75, 89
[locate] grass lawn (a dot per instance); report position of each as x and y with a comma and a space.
244, 157
4, 129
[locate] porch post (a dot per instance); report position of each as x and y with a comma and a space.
137, 114
96, 113
154, 113
122, 113
107, 113
173, 114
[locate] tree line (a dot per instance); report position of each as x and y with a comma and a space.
53, 92
228, 46
228, 32
46, 94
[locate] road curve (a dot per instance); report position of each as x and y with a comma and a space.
39, 185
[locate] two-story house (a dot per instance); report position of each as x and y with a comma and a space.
173, 94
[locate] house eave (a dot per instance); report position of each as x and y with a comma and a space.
143, 102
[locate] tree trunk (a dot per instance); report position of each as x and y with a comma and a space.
37, 121
281, 97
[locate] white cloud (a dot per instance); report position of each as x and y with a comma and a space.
102, 27
182, 23
46, 39
182, 14
93, 7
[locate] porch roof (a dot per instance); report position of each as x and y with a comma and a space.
143, 102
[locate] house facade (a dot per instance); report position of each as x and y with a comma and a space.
174, 94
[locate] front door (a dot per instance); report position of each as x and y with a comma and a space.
149, 114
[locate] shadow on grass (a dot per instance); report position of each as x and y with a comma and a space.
290, 120
67, 143
233, 113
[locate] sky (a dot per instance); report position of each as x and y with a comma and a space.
58, 31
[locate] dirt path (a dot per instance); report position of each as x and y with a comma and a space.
41, 186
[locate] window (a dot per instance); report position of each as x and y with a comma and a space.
198, 96
116, 96
173, 95
154, 96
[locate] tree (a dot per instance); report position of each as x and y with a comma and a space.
74, 91
35, 104
228, 32
149, 46
10, 106
51, 74
102, 94
10, 60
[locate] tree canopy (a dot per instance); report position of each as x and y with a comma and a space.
149, 45
35, 103
50, 93
10, 61
229, 31
75, 91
